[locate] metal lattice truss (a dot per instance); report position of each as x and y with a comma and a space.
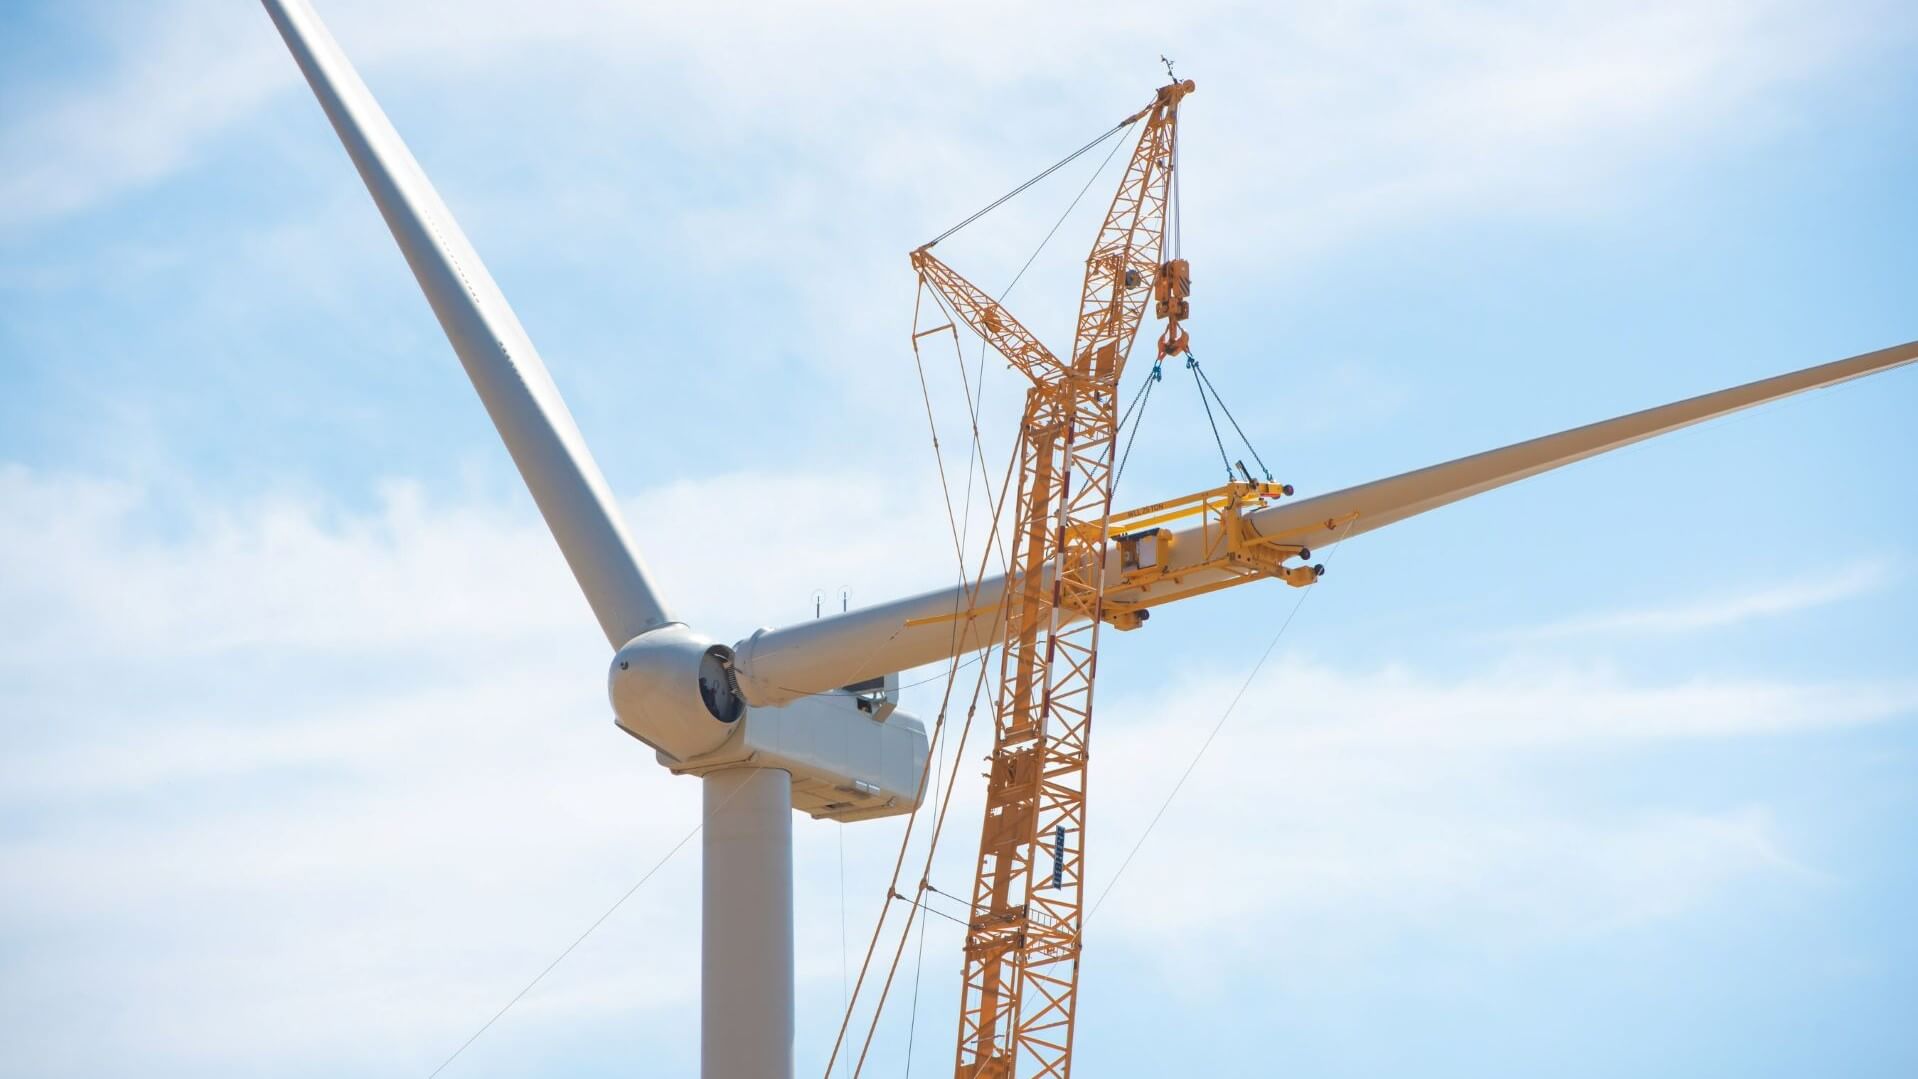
1023, 940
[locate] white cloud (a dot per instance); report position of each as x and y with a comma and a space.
1802, 592
272, 766
795, 140
287, 779
1342, 116
305, 575
1344, 808
178, 79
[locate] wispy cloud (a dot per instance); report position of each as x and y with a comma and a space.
178, 77
299, 777
1801, 592
1375, 110
320, 782
101, 566
1346, 805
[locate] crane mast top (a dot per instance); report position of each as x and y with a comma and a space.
1123, 264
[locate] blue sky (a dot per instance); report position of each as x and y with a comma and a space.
307, 761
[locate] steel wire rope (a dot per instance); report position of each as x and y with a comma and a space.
939, 824
892, 891
925, 884
912, 1026
905, 841
1049, 170
1213, 734
1143, 399
960, 534
1178, 224
1192, 365
1203, 377
932, 426
980, 372
1139, 398
845, 979
968, 591
938, 828
1142, 395
935, 911
978, 453
581, 939
919, 963
952, 322
974, 405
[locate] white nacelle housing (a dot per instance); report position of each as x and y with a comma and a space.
851, 753
849, 759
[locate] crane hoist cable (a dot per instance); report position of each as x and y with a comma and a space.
1178, 228
975, 386
1192, 364
1211, 736
940, 735
1049, 170
1176, 239
1139, 401
1209, 393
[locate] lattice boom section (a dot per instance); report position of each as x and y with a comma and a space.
1023, 944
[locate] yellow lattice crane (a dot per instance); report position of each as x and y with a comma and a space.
1023, 939
1074, 566
1071, 567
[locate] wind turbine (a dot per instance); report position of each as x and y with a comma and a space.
805, 717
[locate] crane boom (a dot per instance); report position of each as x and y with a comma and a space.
981, 313
1022, 946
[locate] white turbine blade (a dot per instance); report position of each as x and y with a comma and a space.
776, 665
1379, 503
499, 358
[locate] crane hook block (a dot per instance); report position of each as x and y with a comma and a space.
1170, 289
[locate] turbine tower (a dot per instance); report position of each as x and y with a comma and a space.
805, 718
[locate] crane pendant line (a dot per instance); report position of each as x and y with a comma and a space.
1023, 940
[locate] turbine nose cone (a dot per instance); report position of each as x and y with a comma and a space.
674, 689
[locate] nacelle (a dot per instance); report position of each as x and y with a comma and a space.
851, 753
